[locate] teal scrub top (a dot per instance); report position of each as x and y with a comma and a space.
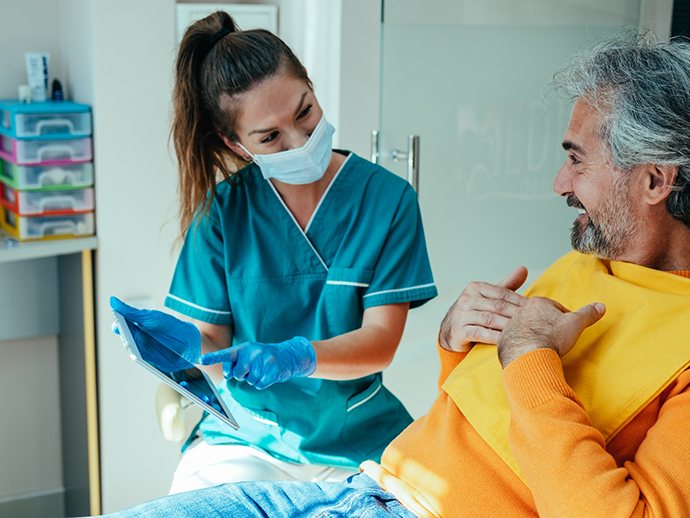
249, 265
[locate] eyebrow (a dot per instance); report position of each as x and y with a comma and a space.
301, 102
569, 145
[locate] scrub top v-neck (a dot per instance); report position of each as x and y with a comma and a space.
248, 264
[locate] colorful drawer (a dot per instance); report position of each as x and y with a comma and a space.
46, 120
45, 152
28, 228
51, 177
44, 203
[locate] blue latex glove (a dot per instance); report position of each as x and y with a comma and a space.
262, 365
168, 342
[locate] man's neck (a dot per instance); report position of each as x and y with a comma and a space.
666, 249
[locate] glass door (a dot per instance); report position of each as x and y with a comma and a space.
471, 80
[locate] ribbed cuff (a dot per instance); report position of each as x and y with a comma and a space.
535, 378
449, 360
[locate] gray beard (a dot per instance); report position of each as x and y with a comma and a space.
608, 238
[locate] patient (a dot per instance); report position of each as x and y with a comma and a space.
580, 407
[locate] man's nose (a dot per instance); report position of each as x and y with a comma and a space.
563, 184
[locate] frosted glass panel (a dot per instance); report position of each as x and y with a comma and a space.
490, 145
468, 77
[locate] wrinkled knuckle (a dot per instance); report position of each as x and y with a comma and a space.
504, 294
489, 319
500, 306
472, 333
472, 286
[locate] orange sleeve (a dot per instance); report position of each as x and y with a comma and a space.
449, 360
564, 459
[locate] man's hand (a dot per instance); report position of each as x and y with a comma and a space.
482, 312
544, 323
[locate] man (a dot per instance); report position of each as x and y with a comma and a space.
574, 413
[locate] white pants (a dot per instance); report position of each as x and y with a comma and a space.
204, 465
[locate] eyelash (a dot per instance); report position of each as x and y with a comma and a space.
269, 138
304, 112
573, 160
273, 135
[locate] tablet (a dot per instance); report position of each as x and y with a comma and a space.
192, 383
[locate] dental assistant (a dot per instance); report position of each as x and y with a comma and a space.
298, 269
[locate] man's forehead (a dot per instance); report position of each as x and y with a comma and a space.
584, 126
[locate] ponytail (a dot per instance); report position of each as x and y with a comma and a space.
216, 63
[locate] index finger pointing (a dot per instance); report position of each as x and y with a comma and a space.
226, 355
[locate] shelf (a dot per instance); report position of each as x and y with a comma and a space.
12, 250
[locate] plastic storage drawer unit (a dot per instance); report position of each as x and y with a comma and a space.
45, 152
37, 203
50, 177
28, 228
45, 120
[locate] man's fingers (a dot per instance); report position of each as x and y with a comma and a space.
591, 313
489, 291
515, 279
487, 320
496, 306
477, 334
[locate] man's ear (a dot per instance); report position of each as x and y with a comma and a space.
235, 148
659, 180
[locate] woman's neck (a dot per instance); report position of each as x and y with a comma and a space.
302, 200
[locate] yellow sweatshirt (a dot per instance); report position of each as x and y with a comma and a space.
440, 466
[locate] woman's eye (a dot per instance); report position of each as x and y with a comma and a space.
304, 112
269, 138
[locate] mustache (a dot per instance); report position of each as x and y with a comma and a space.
573, 201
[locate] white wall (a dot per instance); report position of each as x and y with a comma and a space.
133, 49
31, 456
27, 25
117, 55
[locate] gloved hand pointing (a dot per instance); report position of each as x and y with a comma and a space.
262, 365
168, 342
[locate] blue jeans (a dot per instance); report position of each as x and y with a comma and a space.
359, 496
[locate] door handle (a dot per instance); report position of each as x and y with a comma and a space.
412, 157
375, 147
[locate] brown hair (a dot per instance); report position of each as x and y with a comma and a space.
209, 75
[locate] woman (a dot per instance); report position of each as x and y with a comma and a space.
305, 261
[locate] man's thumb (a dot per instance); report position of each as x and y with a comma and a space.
591, 313
516, 279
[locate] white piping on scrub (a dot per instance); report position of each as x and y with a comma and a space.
401, 289
342, 166
198, 307
297, 224
348, 283
367, 399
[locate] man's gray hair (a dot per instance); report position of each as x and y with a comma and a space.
642, 87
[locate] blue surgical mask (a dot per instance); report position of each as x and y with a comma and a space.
303, 165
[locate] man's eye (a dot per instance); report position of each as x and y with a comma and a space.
573, 160
269, 137
304, 112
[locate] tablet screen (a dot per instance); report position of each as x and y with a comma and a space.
191, 382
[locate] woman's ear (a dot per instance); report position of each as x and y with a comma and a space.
235, 148
659, 181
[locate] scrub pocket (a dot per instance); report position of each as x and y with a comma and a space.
374, 417
343, 297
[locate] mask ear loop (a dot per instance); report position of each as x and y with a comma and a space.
246, 159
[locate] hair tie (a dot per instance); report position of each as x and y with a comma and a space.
216, 38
